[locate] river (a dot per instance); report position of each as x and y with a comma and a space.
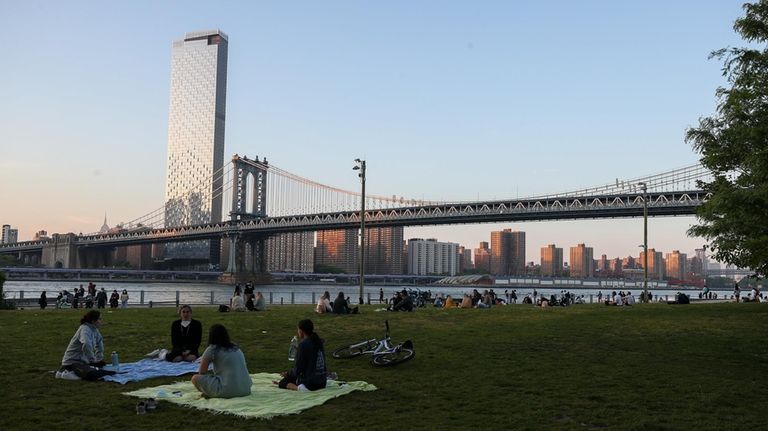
142, 293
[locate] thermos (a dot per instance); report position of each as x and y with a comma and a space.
292, 349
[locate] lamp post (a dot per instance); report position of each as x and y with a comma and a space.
644, 188
360, 166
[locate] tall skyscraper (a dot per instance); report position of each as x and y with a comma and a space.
701, 253
656, 266
196, 138
551, 261
465, 259
483, 257
5, 233
338, 249
677, 265
582, 262
291, 252
384, 250
430, 257
507, 252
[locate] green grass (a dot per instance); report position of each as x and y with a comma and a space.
585, 367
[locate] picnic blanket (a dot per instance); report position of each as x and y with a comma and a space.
266, 399
150, 368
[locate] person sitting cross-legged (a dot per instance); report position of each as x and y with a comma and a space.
186, 335
308, 372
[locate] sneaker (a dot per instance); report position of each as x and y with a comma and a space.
302, 388
162, 354
68, 375
152, 354
141, 408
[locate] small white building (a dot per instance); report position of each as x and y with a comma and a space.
430, 257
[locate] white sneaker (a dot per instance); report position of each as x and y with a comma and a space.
162, 354
302, 388
152, 354
68, 375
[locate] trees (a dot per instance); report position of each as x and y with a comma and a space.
734, 147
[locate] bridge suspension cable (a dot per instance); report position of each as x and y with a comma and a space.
290, 194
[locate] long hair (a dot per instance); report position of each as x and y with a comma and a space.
91, 317
218, 336
308, 328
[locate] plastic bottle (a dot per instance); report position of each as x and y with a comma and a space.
115, 361
292, 349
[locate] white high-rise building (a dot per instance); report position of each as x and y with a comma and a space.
196, 138
430, 257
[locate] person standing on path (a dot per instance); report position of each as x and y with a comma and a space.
124, 299
43, 301
736, 291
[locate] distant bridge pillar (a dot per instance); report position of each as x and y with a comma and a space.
243, 168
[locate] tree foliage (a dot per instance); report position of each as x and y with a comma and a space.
734, 147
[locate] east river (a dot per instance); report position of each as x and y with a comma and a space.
162, 293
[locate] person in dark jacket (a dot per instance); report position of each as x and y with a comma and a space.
186, 336
341, 305
43, 301
308, 373
101, 298
114, 299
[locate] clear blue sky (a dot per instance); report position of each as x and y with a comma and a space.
444, 99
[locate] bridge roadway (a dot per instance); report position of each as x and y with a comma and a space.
675, 203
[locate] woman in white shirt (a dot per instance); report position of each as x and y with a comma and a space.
324, 304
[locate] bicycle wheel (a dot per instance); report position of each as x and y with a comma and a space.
394, 357
350, 351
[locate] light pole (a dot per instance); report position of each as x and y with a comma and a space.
360, 166
644, 188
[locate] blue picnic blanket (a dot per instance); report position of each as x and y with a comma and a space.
150, 368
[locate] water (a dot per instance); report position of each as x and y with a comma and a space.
212, 293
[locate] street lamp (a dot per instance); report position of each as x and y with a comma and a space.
644, 188
360, 166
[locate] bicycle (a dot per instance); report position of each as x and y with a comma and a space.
384, 354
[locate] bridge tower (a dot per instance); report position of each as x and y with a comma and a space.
246, 254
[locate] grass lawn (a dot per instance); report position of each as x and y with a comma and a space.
653, 366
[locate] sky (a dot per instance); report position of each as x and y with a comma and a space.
445, 100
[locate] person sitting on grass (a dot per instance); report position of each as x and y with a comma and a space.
449, 302
439, 301
341, 305
84, 356
230, 376
308, 372
260, 303
237, 303
186, 335
324, 304
466, 302
405, 304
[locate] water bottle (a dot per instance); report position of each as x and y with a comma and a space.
115, 361
292, 349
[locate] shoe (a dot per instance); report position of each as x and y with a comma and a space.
68, 375
162, 354
141, 408
152, 354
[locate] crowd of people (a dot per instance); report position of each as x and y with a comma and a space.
80, 298
84, 357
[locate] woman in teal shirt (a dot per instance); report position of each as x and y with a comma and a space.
230, 376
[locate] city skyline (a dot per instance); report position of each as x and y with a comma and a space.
469, 95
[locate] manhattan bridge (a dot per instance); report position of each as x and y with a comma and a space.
261, 199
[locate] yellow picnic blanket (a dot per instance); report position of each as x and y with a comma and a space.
266, 399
